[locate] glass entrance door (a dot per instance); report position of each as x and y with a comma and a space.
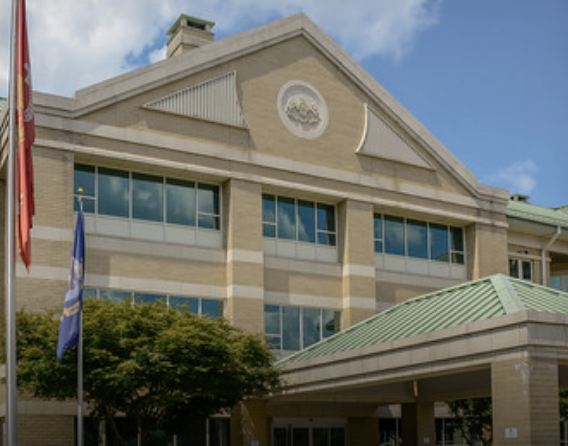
308, 436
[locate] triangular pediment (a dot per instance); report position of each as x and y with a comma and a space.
214, 100
380, 140
391, 132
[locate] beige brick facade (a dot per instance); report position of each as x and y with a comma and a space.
525, 407
46, 430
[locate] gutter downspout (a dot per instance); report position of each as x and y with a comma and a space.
544, 251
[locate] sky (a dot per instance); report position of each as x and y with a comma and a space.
489, 78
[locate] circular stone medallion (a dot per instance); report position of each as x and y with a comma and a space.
302, 109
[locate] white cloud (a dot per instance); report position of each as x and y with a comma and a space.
77, 43
519, 177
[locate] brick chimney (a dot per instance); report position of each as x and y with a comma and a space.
188, 33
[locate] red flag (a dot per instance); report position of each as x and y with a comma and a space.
26, 137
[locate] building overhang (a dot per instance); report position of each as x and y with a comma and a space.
436, 366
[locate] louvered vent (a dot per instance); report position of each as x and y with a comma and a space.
383, 141
213, 100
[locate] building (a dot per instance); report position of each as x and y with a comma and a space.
269, 178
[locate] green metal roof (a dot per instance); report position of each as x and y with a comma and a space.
196, 22
538, 214
482, 299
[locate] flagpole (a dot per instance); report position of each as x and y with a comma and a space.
11, 402
80, 434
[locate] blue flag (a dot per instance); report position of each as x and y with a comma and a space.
71, 316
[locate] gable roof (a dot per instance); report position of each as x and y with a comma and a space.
213, 54
482, 299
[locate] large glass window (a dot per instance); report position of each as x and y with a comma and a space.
149, 298
457, 245
208, 206
85, 180
295, 328
439, 243
195, 305
272, 326
180, 196
378, 229
330, 322
306, 436
394, 235
306, 221
153, 198
190, 304
326, 224
113, 192
268, 215
390, 432
286, 220
311, 325
211, 307
300, 220
418, 239
147, 197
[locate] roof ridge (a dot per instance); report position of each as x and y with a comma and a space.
509, 298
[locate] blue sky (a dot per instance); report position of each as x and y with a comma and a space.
489, 78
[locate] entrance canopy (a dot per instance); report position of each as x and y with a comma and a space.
497, 336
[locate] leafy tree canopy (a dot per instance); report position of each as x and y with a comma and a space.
158, 366
474, 418
563, 398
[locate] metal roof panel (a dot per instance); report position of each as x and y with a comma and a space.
469, 302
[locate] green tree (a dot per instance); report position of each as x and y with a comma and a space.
157, 366
474, 418
563, 398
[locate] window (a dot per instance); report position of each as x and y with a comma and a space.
181, 199
195, 305
208, 206
390, 432
457, 251
312, 435
305, 221
84, 178
326, 224
147, 197
520, 269
418, 239
439, 247
378, 229
152, 198
113, 192
559, 282
394, 235
295, 328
